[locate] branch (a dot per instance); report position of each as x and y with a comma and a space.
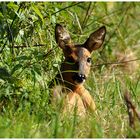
124, 14
86, 16
24, 46
9, 27
60, 10
131, 109
120, 62
65, 8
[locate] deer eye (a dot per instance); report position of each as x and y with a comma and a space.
89, 60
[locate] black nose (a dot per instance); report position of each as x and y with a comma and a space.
82, 76
79, 77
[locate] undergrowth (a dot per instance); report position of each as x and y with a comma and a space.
30, 59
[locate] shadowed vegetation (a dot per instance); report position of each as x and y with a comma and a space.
30, 59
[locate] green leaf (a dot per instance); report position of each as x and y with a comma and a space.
12, 5
37, 70
1, 15
16, 67
23, 57
37, 11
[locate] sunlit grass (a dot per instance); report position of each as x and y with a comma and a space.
30, 59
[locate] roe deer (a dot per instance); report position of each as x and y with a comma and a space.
75, 69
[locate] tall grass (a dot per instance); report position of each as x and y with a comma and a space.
30, 59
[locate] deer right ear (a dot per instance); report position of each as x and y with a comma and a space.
96, 39
62, 37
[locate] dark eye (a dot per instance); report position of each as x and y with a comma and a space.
89, 60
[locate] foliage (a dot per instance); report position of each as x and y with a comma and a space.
30, 58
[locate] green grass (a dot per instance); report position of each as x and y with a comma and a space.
30, 59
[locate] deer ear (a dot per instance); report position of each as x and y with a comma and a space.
96, 39
62, 37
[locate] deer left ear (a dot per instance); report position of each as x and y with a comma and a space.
62, 37
96, 39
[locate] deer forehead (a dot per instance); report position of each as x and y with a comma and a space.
80, 53
83, 53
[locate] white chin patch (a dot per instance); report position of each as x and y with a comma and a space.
84, 80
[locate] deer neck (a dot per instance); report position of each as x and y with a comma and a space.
60, 78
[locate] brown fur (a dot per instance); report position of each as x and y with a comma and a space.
75, 69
